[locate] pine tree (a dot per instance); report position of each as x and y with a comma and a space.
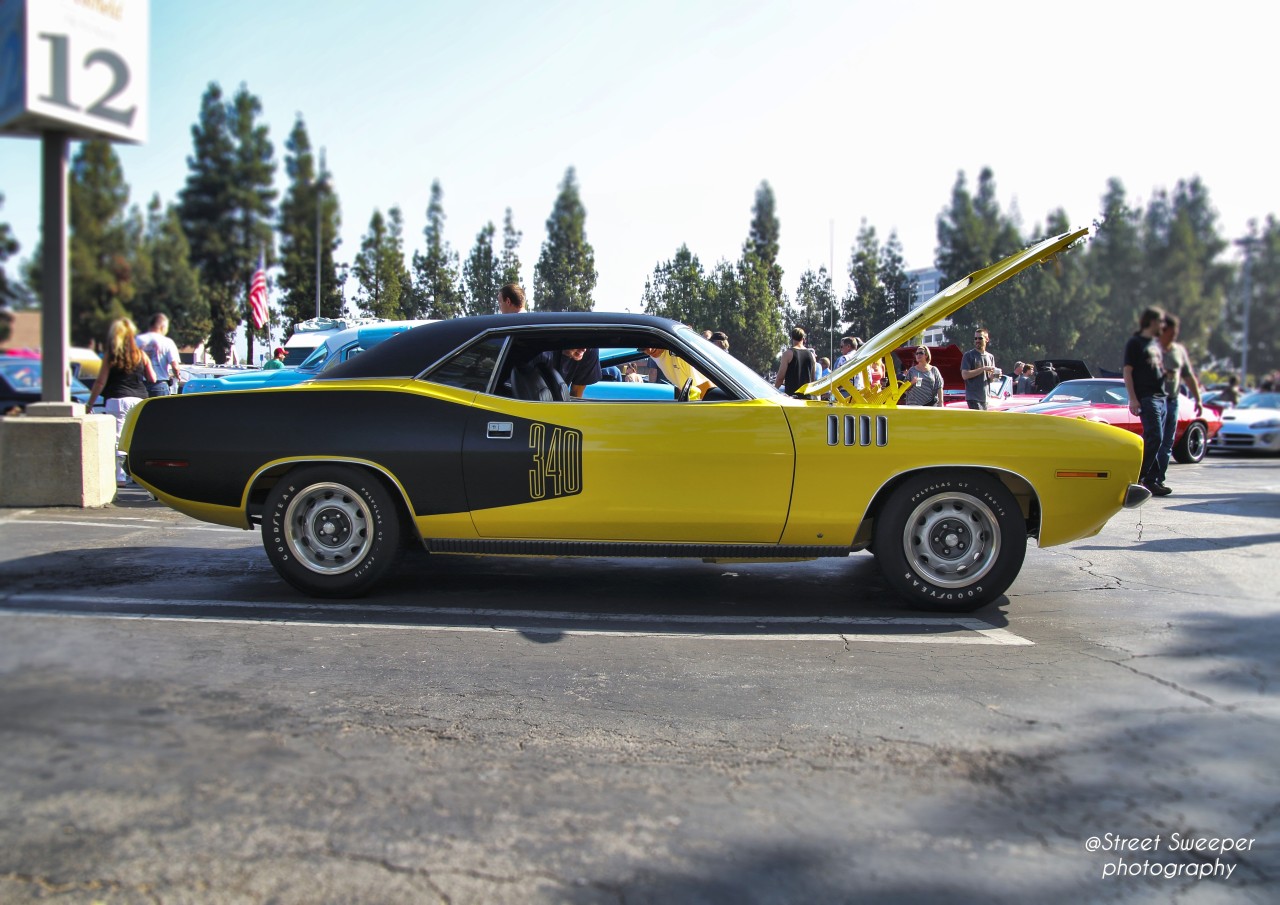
8, 294
100, 256
8, 247
815, 311
379, 267
763, 241
1259, 278
1116, 268
723, 303
169, 283
565, 274
762, 336
864, 299
207, 210
482, 274
510, 261
1182, 247
226, 206
972, 235
1059, 305
759, 280
435, 274
309, 191
677, 290
898, 291
254, 197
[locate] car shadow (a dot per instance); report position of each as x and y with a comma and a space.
543, 598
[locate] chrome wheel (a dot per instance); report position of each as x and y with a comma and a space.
327, 528
951, 540
1194, 444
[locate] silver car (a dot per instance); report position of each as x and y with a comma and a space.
1254, 424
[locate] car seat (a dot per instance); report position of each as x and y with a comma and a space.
539, 382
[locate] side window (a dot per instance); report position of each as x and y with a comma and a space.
471, 368
350, 351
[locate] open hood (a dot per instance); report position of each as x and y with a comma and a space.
841, 383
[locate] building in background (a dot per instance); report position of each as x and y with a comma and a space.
926, 282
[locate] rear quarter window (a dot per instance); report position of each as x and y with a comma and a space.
470, 369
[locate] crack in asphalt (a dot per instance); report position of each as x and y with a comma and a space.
1194, 695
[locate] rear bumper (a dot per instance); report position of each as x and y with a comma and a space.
1135, 496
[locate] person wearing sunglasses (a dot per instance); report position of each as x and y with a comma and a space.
925, 381
977, 367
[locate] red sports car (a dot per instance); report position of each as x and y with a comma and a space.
1107, 400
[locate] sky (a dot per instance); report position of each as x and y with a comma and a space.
673, 113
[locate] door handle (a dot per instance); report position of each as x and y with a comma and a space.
500, 430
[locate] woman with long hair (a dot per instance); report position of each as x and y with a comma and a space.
123, 379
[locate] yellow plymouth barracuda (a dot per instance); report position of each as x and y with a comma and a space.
462, 437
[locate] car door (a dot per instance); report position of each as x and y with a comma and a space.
634, 470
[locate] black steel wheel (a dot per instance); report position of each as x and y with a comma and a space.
1194, 443
331, 530
950, 541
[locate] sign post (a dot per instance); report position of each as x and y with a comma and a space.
69, 70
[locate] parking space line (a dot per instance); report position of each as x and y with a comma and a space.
933, 629
128, 523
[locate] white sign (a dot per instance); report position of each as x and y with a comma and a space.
76, 66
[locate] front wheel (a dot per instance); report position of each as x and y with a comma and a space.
1194, 444
331, 531
950, 541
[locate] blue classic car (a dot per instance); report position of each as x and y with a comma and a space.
336, 348
20, 385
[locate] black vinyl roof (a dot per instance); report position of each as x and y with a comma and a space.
409, 353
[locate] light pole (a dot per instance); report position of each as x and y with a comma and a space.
1247, 244
831, 312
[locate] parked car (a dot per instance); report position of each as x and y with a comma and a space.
20, 385
1107, 400
308, 334
458, 437
335, 349
1254, 424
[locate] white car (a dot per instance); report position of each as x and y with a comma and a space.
1253, 424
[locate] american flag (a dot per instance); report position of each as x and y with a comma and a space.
258, 296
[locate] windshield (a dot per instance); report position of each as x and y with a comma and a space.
1109, 392
748, 379
315, 359
25, 377
1260, 401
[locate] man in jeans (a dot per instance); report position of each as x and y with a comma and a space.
1144, 379
1177, 371
977, 367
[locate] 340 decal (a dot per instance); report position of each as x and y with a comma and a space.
557, 462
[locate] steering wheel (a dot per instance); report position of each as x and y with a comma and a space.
683, 395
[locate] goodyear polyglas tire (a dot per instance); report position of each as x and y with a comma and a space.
1193, 444
950, 541
331, 531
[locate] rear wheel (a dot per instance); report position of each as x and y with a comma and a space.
1193, 445
951, 541
331, 530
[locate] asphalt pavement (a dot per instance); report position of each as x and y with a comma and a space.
178, 725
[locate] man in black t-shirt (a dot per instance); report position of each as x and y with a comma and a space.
1144, 379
